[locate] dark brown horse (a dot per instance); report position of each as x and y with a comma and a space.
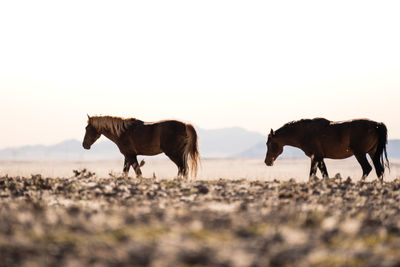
134, 137
320, 138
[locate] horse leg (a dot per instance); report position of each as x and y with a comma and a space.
136, 166
322, 168
366, 167
182, 166
127, 165
379, 169
185, 170
180, 163
313, 169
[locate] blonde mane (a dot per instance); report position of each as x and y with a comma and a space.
116, 125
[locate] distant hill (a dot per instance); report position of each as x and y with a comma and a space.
393, 148
259, 150
212, 143
228, 142
66, 150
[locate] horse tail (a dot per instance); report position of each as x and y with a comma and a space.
192, 149
382, 142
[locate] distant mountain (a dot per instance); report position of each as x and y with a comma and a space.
259, 150
66, 150
228, 142
212, 143
393, 148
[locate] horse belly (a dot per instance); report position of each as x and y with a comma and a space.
151, 151
337, 148
339, 154
150, 148
147, 141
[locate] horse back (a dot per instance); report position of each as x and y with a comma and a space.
364, 135
343, 139
152, 138
172, 134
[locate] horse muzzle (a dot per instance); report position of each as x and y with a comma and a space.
85, 146
269, 162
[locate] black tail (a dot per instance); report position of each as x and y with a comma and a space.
382, 142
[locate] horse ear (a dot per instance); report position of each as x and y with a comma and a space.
88, 116
271, 133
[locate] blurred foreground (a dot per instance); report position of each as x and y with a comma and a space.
85, 221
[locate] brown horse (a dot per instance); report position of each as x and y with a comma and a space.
320, 138
134, 137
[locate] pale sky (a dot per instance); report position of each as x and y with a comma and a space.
253, 64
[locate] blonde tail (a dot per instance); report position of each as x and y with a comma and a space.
192, 149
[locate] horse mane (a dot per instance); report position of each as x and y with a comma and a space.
290, 125
116, 125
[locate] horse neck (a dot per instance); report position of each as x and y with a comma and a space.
289, 139
107, 133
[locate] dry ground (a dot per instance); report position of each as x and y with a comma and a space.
211, 169
88, 221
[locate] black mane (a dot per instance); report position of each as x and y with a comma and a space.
290, 125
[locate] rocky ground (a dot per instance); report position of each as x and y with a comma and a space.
85, 220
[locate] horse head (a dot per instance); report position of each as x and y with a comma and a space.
274, 149
91, 135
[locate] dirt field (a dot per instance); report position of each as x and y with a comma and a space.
89, 221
